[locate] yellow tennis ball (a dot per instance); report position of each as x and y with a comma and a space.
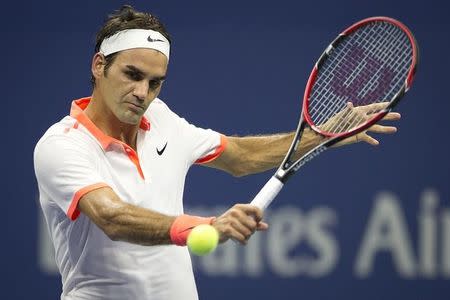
203, 239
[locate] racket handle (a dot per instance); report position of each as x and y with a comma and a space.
269, 191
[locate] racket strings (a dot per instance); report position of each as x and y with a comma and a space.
357, 71
369, 66
355, 120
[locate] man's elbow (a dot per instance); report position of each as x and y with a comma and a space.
238, 170
111, 232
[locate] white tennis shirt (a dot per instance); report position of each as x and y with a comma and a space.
74, 157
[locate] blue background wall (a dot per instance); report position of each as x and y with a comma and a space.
240, 67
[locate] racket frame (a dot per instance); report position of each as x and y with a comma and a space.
287, 168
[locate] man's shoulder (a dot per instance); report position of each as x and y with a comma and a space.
157, 104
158, 109
64, 131
58, 127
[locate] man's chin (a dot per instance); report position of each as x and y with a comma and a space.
131, 118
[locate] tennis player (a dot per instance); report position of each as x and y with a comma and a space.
111, 174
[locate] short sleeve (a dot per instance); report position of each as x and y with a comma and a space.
205, 144
65, 171
198, 144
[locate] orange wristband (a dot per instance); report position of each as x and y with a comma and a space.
182, 226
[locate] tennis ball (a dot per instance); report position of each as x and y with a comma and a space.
202, 239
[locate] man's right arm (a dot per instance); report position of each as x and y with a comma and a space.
121, 221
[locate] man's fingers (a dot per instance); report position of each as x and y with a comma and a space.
262, 226
382, 129
237, 236
374, 107
251, 210
243, 231
242, 234
392, 116
368, 139
228, 230
248, 217
237, 232
240, 222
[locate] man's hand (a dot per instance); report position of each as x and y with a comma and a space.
239, 223
354, 116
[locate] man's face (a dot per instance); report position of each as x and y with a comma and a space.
132, 82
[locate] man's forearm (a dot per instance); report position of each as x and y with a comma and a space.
125, 222
141, 226
260, 153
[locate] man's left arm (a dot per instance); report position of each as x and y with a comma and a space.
254, 154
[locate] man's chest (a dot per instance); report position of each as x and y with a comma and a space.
153, 176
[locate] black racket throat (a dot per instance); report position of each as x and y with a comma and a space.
289, 165
289, 158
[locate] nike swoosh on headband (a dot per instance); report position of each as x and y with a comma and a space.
150, 39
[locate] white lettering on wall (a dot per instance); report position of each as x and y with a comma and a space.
445, 221
322, 241
386, 231
428, 234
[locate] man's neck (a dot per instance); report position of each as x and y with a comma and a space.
108, 123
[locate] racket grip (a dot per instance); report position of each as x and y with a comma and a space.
269, 191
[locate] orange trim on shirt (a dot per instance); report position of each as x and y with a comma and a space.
216, 153
73, 211
77, 112
132, 155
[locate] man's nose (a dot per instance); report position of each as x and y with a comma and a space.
141, 90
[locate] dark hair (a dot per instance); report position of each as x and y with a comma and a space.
126, 18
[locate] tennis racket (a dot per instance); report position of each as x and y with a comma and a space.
357, 80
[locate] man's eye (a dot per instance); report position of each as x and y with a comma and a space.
154, 84
133, 76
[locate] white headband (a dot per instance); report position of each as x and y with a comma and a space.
135, 38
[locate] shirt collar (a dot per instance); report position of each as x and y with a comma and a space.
77, 112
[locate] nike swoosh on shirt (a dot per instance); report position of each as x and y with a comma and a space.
160, 152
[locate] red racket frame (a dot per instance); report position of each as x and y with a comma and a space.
381, 114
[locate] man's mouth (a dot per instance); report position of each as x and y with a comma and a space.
135, 107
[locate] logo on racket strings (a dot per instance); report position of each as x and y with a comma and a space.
363, 78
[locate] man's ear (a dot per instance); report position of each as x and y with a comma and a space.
98, 65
